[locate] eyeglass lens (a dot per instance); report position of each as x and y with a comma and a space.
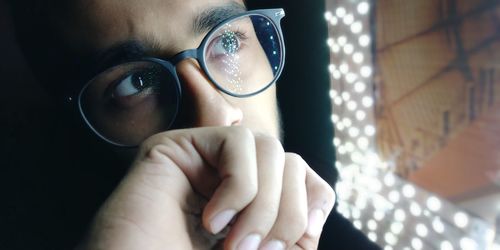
132, 101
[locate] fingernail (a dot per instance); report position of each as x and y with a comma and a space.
274, 245
316, 221
221, 220
251, 242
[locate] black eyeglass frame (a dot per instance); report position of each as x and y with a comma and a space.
274, 15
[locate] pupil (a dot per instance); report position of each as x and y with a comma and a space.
229, 42
138, 82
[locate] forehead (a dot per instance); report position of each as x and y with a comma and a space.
98, 24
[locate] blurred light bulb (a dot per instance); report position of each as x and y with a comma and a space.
357, 224
378, 215
330, 42
363, 8
348, 49
467, 243
422, 230
446, 245
336, 74
415, 209
438, 225
372, 225
417, 244
340, 11
356, 27
364, 40
390, 239
353, 132
408, 191
367, 101
351, 105
344, 68
347, 122
397, 227
394, 196
363, 143
359, 87
333, 21
328, 15
372, 236
370, 131
433, 203
461, 219
348, 19
399, 215
335, 118
358, 57
366, 71
360, 115
335, 48
351, 77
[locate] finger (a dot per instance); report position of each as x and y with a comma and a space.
321, 199
228, 150
255, 222
292, 218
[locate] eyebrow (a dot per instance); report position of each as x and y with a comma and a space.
136, 49
209, 18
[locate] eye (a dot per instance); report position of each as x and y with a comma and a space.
133, 84
228, 43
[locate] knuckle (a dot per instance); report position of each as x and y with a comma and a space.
240, 132
271, 144
296, 161
249, 192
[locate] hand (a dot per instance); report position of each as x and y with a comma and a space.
184, 183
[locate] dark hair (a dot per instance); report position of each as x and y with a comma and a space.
42, 44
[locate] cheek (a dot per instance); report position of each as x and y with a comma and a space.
260, 113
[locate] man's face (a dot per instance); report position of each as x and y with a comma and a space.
169, 27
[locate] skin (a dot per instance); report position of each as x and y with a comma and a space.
226, 167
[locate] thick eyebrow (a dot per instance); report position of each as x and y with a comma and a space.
209, 18
136, 49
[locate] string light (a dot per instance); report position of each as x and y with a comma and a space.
364, 40
408, 191
446, 245
340, 12
433, 204
341, 40
369, 195
417, 244
348, 49
348, 19
360, 115
367, 101
461, 219
359, 87
363, 8
328, 15
358, 57
438, 226
422, 230
356, 27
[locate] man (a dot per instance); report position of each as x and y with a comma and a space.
175, 127
208, 157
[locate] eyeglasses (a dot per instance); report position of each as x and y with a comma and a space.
242, 56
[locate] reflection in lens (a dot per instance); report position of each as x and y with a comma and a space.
231, 43
244, 55
130, 102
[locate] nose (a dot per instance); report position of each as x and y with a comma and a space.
205, 104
